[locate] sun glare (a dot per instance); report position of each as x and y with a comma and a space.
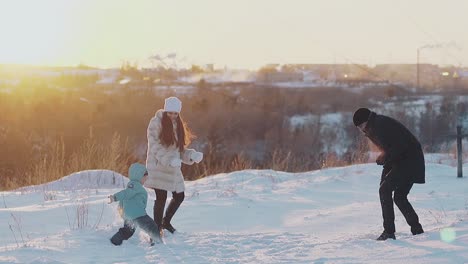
33, 31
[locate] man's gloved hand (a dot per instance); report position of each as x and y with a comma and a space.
381, 159
111, 198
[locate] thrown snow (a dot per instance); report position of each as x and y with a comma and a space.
252, 216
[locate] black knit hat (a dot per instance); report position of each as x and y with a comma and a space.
360, 116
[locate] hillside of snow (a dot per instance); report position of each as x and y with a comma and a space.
253, 216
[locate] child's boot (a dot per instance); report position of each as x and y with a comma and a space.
117, 239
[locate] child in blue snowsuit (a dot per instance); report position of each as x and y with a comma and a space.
132, 201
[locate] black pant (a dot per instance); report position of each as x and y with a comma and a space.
144, 222
391, 183
160, 203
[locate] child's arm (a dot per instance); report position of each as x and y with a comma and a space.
111, 199
127, 193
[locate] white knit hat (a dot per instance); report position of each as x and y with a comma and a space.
172, 104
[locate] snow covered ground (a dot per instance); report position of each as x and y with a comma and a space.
325, 216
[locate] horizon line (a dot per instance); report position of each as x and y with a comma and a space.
83, 65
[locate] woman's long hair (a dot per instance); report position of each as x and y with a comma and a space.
167, 137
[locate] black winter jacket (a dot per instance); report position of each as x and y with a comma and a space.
402, 151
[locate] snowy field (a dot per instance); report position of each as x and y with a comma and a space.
326, 216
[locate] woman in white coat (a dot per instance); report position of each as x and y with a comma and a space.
168, 137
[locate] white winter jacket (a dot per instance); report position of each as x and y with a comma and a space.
161, 175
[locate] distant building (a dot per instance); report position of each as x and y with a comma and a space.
334, 72
407, 73
460, 78
271, 74
209, 67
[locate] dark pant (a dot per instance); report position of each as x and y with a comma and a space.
144, 222
160, 203
389, 184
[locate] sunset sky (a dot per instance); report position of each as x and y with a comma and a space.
237, 33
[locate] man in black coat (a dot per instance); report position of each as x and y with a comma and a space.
403, 165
